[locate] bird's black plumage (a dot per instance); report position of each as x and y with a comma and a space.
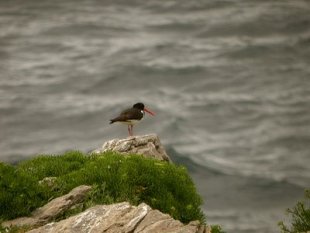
131, 116
135, 113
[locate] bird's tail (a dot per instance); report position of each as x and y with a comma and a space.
112, 121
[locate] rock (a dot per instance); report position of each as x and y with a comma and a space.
146, 145
120, 217
115, 218
53, 209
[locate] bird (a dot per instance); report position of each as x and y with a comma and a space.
132, 116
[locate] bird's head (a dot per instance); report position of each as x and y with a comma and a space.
141, 107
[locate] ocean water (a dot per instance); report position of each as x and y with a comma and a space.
228, 79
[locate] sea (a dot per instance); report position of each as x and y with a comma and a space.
229, 81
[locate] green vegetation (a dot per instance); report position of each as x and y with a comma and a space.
300, 217
19, 192
14, 229
216, 229
114, 177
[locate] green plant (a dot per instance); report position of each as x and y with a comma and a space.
115, 178
19, 192
136, 179
300, 217
54, 165
14, 229
216, 229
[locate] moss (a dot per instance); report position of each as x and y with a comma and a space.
115, 178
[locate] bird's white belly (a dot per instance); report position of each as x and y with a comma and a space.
130, 122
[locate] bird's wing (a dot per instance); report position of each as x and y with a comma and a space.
125, 115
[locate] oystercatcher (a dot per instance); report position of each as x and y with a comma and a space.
131, 116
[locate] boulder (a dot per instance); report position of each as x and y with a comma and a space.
53, 209
121, 217
146, 145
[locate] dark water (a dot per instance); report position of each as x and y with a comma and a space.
229, 81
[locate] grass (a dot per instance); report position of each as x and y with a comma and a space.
115, 178
19, 192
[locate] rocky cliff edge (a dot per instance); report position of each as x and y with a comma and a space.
114, 218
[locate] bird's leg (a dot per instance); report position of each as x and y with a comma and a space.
129, 130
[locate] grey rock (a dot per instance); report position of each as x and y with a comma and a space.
119, 218
53, 209
146, 145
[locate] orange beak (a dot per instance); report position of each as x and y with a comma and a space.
149, 112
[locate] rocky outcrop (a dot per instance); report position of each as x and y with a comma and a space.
115, 218
121, 218
53, 209
146, 145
